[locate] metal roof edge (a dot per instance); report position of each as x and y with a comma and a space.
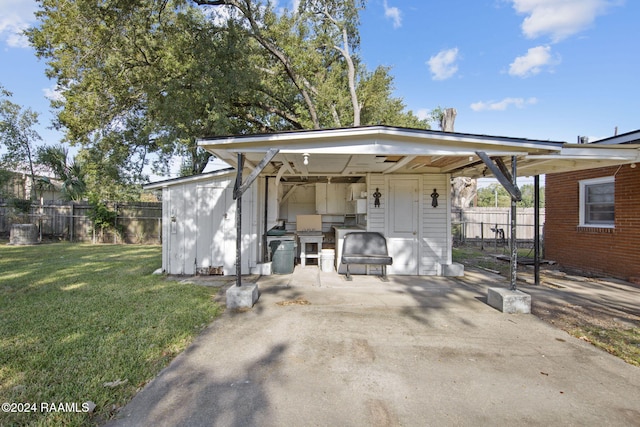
187, 179
364, 131
623, 138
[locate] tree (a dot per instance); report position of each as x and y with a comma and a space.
463, 189
495, 195
69, 171
151, 76
135, 69
18, 135
528, 196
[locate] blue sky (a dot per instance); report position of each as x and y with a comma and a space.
540, 69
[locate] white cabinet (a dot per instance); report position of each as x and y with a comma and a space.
357, 191
358, 206
331, 198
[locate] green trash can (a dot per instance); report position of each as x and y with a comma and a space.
282, 256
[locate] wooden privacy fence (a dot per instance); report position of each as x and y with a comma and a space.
493, 225
142, 223
136, 222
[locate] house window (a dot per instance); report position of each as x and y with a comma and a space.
597, 202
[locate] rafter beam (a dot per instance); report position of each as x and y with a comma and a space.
400, 163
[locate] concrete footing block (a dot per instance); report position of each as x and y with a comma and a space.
242, 296
454, 269
263, 269
508, 301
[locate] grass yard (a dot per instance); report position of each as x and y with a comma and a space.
82, 323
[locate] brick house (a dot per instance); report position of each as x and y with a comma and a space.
593, 217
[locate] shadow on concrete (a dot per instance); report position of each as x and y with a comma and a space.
319, 350
234, 398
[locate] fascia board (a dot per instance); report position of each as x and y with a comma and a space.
602, 152
188, 179
316, 138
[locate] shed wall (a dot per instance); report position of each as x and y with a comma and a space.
200, 228
434, 242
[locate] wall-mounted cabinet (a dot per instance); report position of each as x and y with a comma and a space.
331, 198
357, 206
357, 191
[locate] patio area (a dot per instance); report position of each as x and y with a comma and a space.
318, 350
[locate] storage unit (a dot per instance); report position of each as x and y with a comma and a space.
198, 225
331, 198
357, 206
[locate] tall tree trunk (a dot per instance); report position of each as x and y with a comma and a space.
463, 189
352, 77
447, 119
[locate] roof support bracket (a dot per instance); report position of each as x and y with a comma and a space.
502, 174
240, 187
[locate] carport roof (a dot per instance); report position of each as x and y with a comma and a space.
385, 149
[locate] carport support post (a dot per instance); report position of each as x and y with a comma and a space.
239, 296
238, 195
510, 300
536, 232
514, 246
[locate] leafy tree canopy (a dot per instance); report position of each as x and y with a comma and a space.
150, 76
495, 195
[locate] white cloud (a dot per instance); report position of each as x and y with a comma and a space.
559, 19
394, 14
53, 93
532, 62
443, 65
502, 105
15, 17
423, 113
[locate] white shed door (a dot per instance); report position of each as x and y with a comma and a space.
402, 226
211, 227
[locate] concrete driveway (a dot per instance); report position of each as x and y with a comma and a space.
415, 351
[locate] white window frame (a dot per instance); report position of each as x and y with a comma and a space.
583, 186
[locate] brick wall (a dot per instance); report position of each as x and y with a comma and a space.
614, 252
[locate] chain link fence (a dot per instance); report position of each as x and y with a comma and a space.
491, 227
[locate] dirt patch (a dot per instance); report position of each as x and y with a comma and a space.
600, 311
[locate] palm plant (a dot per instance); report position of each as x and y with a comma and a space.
70, 172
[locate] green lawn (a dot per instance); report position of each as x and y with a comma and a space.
76, 320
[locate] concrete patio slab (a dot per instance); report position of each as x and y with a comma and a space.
319, 351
